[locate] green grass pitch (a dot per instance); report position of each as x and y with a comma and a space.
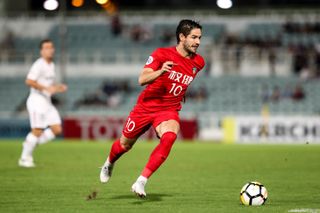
197, 177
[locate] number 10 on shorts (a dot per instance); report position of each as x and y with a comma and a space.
130, 125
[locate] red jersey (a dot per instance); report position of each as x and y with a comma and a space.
168, 90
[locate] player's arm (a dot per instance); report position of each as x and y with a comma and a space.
148, 75
35, 85
58, 88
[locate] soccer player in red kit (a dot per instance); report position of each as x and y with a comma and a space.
167, 74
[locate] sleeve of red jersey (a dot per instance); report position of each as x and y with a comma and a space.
154, 61
202, 63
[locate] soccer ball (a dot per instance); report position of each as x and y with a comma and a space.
253, 194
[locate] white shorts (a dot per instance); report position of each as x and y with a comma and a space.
42, 113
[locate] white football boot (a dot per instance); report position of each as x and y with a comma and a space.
138, 187
106, 172
26, 162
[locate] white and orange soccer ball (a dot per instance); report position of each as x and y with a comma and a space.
253, 194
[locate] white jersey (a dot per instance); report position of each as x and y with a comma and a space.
41, 111
43, 73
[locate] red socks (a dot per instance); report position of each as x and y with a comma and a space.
116, 151
157, 157
159, 154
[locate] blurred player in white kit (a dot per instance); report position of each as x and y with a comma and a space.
44, 118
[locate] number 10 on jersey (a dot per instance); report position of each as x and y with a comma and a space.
175, 89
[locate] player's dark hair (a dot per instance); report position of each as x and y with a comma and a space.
44, 41
185, 26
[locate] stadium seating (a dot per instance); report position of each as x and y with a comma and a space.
289, 39
95, 42
263, 31
90, 43
13, 92
226, 95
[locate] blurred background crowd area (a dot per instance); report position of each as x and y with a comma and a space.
256, 54
276, 44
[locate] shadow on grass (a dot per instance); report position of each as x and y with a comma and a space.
153, 197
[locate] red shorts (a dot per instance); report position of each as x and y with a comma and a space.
140, 120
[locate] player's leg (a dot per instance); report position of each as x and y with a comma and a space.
167, 131
53, 120
133, 128
118, 148
40, 119
50, 133
28, 146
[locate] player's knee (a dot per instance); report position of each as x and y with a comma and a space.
37, 132
126, 146
57, 130
127, 143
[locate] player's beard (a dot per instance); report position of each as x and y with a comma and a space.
189, 49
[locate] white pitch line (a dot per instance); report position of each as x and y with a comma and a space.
305, 210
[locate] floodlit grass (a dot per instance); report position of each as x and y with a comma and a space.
197, 177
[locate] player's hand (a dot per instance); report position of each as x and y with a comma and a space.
61, 88
50, 90
167, 66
